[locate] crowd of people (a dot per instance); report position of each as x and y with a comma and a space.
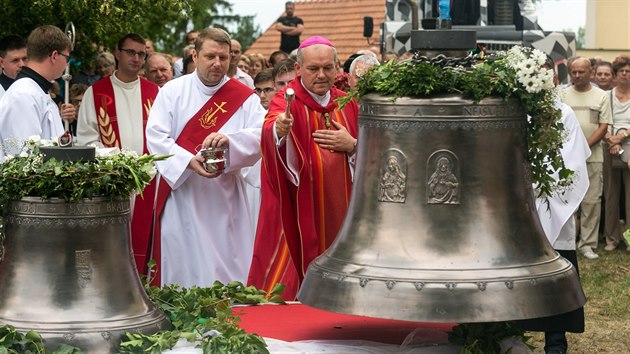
594, 105
598, 94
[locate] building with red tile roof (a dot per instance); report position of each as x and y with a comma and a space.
340, 21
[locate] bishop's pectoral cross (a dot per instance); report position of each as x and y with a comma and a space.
327, 119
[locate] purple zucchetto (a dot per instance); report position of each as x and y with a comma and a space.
315, 40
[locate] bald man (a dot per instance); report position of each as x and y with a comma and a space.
592, 108
158, 69
308, 157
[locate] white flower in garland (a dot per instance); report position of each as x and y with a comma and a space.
528, 65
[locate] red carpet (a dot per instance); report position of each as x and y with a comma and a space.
296, 322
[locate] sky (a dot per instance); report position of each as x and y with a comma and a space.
552, 14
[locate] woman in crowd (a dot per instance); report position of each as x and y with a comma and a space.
245, 64
259, 63
617, 138
105, 63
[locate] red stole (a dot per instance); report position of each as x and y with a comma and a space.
209, 119
298, 223
107, 119
105, 105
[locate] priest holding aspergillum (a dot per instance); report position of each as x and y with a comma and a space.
308, 150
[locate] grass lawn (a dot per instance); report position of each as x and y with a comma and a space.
606, 282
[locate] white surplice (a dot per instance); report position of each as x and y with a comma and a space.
128, 99
557, 217
26, 110
206, 228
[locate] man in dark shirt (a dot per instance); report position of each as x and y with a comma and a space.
290, 28
12, 59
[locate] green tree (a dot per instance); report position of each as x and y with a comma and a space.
579, 38
168, 34
102, 22
96, 21
247, 32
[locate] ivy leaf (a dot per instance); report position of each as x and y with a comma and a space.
278, 289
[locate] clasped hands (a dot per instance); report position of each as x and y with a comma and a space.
330, 139
614, 142
196, 163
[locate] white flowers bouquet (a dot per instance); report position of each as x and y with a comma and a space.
114, 173
529, 67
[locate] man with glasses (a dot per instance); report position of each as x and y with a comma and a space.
12, 59
308, 147
265, 90
27, 109
114, 113
263, 83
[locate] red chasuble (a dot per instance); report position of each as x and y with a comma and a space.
209, 119
298, 223
105, 105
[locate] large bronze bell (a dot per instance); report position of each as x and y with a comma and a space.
442, 224
67, 272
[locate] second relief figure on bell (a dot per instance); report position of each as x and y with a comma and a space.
443, 184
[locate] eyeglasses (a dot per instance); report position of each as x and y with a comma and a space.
68, 58
266, 90
75, 102
133, 53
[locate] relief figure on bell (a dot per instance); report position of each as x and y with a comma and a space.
443, 184
393, 182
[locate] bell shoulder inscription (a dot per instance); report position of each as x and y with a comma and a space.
492, 111
402, 111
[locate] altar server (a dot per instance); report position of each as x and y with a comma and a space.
27, 109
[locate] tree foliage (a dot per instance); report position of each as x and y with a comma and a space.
580, 37
102, 22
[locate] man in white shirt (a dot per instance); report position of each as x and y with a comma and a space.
26, 109
234, 71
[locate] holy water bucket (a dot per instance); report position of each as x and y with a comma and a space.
442, 223
67, 272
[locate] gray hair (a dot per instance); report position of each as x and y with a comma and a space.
367, 59
188, 49
155, 55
